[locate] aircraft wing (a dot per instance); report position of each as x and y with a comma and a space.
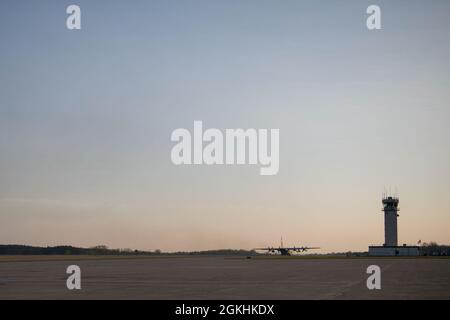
301, 248
290, 249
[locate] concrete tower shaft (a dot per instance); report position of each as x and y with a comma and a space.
390, 208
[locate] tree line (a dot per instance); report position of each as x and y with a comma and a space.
14, 249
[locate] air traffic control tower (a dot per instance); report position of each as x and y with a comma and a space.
390, 246
390, 208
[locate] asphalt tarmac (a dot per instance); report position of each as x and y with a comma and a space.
225, 278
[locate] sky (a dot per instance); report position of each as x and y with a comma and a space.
86, 118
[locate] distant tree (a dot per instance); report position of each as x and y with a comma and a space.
100, 247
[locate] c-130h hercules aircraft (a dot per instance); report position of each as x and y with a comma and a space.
286, 251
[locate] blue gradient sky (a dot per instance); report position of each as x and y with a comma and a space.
86, 118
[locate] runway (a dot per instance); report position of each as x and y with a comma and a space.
224, 278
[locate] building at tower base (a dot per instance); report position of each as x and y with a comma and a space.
392, 251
